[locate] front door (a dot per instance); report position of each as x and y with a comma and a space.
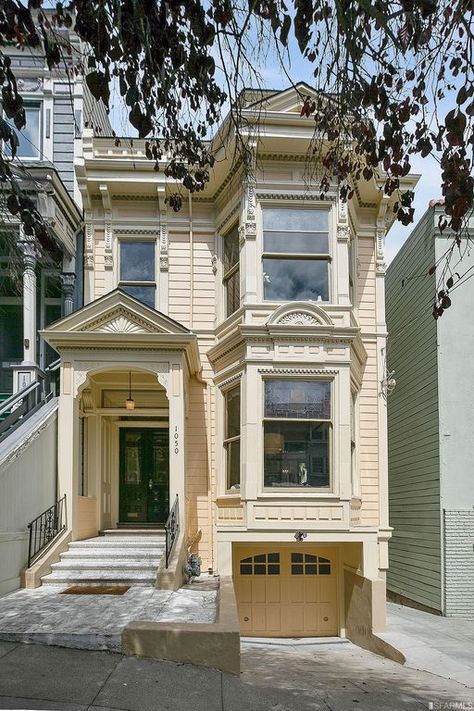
144, 476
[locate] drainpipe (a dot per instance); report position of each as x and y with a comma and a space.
191, 263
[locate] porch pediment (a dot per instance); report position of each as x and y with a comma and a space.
119, 313
118, 321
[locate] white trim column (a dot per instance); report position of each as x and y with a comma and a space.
68, 283
28, 251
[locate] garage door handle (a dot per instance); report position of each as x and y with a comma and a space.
325, 619
246, 619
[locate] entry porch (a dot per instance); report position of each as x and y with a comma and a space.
125, 376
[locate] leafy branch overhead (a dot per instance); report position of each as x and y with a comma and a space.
393, 80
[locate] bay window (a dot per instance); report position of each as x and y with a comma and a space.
137, 270
297, 433
29, 137
231, 278
296, 254
232, 438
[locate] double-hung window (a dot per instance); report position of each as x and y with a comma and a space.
231, 278
232, 438
296, 254
297, 433
137, 270
29, 137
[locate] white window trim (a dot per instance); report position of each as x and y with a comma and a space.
117, 260
263, 203
290, 492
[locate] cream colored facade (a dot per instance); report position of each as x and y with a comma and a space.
185, 354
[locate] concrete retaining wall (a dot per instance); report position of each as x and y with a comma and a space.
214, 645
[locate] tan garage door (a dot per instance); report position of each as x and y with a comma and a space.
286, 592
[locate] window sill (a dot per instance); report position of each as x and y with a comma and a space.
296, 494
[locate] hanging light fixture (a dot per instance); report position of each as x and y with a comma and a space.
130, 402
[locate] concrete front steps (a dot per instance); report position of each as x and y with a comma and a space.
118, 557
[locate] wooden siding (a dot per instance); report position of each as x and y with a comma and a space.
63, 140
413, 422
369, 440
200, 435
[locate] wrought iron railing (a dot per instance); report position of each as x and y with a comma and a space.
21, 405
45, 528
172, 529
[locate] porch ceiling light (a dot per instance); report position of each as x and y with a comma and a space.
130, 402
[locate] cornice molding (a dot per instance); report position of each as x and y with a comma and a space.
298, 371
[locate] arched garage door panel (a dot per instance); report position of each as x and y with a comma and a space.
286, 592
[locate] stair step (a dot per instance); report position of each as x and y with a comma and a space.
116, 544
132, 532
113, 554
100, 565
90, 578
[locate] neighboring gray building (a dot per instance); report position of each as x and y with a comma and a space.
431, 426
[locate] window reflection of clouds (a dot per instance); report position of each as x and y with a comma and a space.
295, 280
137, 261
146, 294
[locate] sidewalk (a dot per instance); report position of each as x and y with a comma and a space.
309, 677
440, 645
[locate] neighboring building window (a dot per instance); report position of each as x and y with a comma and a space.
29, 138
232, 438
137, 270
295, 254
11, 312
231, 279
297, 430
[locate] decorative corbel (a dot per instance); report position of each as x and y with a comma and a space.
89, 241
164, 258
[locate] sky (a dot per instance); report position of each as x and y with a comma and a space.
299, 69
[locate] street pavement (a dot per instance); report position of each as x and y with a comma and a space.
288, 676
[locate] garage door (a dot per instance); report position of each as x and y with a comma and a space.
286, 592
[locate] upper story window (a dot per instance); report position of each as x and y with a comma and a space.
137, 270
232, 437
295, 254
297, 429
29, 138
231, 279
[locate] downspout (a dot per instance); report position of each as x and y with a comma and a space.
191, 263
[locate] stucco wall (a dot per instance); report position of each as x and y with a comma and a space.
459, 563
28, 487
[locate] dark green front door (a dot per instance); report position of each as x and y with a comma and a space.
144, 475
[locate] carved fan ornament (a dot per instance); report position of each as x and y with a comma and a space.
120, 324
299, 318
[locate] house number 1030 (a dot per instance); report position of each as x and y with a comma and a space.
176, 440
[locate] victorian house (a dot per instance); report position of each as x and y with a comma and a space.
228, 365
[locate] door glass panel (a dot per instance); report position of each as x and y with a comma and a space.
144, 475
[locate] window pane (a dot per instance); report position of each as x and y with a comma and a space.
295, 279
137, 261
325, 570
231, 249
246, 570
311, 570
233, 464
309, 399
259, 570
11, 343
288, 218
146, 294
296, 557
305, 243
296, 454
29, 138
233, 413
232, 293
273, 557
260, 558
297, 570
273, 570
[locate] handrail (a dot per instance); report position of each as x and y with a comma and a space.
20, 406
172, 529
45, 527
52, 367
12, 400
